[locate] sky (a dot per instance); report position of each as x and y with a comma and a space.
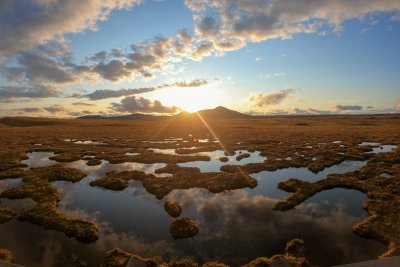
69, 58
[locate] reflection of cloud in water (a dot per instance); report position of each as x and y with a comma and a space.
215, 164
267, 181
239, 227
39, 159
236, 226
9, 183
36, 247
105, 166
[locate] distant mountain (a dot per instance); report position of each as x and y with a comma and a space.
216, 113
222, 113
135, 116
20, 121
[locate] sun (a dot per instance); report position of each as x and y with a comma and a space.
190, 99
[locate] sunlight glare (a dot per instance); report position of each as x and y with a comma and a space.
190, 99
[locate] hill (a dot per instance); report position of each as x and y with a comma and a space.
135, 116
222, 113
216, 113
28, 121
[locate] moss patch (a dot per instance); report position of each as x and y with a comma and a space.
182, 178
6, 215
118, 181
117, 258
6, 255
173, 208
183, 227
120, 258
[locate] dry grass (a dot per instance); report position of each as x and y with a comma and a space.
183, 227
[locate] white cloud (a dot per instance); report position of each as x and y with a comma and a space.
230, 24
397, 105
261, 99
27, 24
271, 75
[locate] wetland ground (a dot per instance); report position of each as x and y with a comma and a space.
73, 191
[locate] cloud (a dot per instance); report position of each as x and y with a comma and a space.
397, 105
134, 104
145, 59
38, 91
291, 111
107, 93
30, 110
27, 24
220, 26
41, 73
270, 75
83, 104
229, 220
340, 108
40, 69
231, 24
261, 99
80, 113
55, 109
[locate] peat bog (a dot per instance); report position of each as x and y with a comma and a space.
251, 192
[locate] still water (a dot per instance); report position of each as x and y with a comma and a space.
235, 226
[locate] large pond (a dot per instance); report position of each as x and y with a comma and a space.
235, 226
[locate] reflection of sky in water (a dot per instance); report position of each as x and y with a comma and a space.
383, 149
105, 166
378, 148
215, 164
267, 180
6, 183
89, 142
236, 226
39, 159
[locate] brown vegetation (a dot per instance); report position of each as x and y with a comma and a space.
6, 215
120, 258
183, 227
173, 208
6, 255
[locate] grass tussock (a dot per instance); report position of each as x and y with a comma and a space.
183, 227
